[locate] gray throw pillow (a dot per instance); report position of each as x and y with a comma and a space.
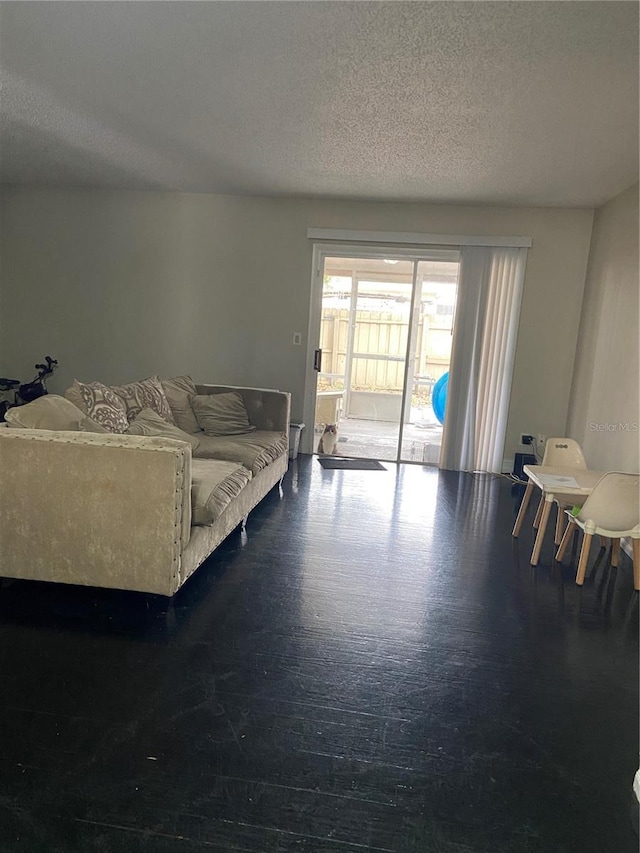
149, 422
52, 412
221, 414
178, 392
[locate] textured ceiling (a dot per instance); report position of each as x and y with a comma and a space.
481, 102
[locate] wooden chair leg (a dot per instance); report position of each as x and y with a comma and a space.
559, 525
523, 509
574, 542
537, 547
536, 520
636, 563
615, 551
564, 543
584, 556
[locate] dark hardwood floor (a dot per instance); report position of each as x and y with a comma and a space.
374, 665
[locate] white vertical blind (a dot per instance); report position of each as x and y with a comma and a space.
482, 354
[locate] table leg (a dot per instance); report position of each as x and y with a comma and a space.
548, 500
523, 509
559, 529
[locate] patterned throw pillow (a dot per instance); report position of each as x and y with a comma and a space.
146, 394
100, 403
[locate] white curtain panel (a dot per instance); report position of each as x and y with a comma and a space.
482, 353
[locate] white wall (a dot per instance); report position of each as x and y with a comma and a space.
604, 408
119, 285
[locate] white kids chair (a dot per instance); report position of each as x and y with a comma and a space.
561, 453
611, 510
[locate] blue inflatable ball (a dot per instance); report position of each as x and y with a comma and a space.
439, 397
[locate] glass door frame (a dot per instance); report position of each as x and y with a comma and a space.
356, 281
321, 251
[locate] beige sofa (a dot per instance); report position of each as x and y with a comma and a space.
133, 512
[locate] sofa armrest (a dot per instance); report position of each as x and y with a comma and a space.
94, 509
269, 410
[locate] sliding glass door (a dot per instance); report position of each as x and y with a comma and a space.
429, 359
385, 341
374, 394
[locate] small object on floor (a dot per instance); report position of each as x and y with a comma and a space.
295, 431
343, 463
520, 460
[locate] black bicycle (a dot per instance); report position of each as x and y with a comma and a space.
18, 394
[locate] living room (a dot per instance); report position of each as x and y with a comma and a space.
161, 168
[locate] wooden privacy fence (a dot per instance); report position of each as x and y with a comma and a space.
382, 333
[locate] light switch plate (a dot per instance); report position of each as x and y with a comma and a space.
297, 338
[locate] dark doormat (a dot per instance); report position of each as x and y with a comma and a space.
343, 463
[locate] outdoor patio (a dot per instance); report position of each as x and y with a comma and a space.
378, 439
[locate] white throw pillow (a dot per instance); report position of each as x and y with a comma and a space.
51, 412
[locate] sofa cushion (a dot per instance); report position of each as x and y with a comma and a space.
178, 391
221, 414
100, 403
214, 485
148, 422
51, 412
255, 450
145, 394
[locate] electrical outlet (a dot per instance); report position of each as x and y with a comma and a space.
526, 439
